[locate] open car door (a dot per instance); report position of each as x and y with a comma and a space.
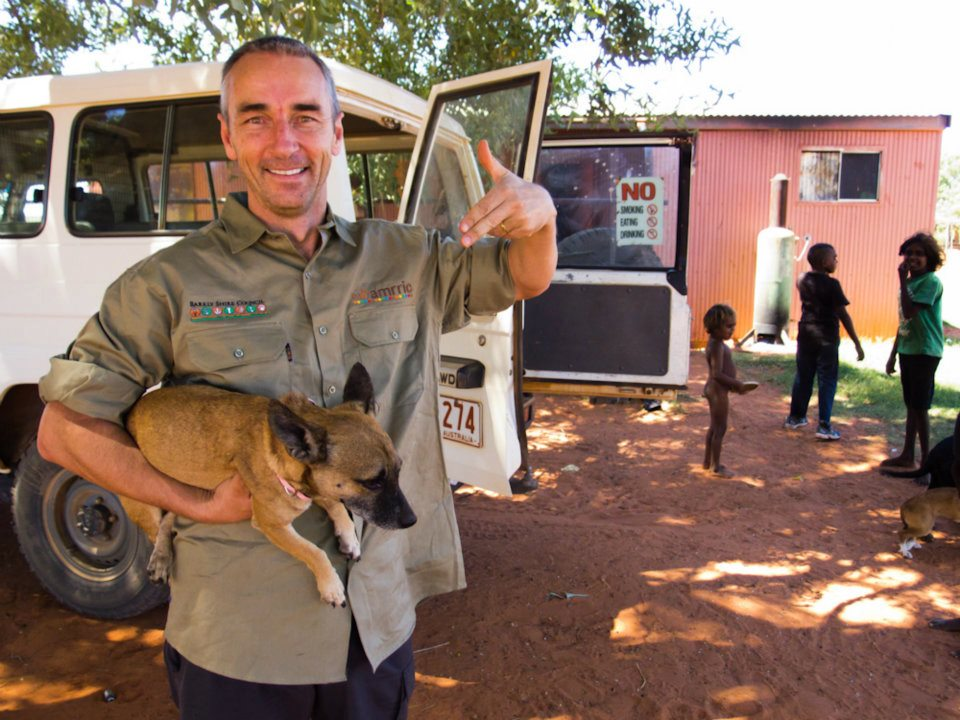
622, 203
478, 408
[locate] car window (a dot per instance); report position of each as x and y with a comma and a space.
376, 182
24, 173
616, 204
452, 181
149, 167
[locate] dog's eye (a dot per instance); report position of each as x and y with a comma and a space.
375, 483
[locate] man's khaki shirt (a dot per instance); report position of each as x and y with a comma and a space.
236, 306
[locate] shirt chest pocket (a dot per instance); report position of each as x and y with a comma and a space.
386, 340
252, 358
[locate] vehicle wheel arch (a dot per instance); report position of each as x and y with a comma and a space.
20, 411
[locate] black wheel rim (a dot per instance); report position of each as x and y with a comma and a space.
87, 528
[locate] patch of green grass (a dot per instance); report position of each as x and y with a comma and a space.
862, 392
776, 370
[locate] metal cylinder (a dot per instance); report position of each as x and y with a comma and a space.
778, 200
774, 280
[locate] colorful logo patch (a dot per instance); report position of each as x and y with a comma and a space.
201, 310
391, 293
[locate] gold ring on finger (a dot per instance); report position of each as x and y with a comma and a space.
503, 229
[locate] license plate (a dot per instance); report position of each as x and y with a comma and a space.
461, 421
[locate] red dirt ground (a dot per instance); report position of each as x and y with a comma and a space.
774, 594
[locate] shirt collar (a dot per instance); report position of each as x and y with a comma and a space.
244, 228
342, 228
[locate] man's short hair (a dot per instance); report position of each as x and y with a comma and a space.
817, 255
278, 45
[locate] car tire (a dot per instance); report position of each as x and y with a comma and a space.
79, 542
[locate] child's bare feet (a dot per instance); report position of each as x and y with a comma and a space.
722, 471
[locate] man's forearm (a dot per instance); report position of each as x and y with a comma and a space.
105, 454
533, 261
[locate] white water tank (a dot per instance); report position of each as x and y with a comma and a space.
776, 247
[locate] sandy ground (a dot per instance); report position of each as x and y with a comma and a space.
630, 585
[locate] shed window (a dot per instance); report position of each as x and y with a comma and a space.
832, 175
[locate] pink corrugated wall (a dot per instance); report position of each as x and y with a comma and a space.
730, 196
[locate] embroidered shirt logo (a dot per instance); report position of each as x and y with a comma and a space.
391, 293
202, 310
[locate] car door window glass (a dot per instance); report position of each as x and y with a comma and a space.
602, 219
452, 180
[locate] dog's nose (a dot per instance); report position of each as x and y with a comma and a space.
407, 516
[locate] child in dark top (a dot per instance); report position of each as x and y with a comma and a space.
720, 322
818, 340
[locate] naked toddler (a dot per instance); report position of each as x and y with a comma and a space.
719, 322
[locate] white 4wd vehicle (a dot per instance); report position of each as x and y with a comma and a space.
98, 171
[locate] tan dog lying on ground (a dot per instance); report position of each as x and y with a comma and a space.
920, 512
290, 453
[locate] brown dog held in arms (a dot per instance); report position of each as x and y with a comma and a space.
290, 453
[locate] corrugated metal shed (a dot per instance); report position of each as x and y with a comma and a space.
734, 160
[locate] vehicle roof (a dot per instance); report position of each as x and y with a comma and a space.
359, 92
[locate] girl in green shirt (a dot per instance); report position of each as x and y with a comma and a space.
919, 341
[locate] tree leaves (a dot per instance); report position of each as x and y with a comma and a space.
36, 36
413, 43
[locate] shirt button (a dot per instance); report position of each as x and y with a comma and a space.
395, 335
331, 390
238, 353
308, 275
322, 330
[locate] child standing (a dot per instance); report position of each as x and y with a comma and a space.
719, 323
818, 341
919, 341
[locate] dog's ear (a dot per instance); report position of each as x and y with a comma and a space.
304, 442
359, 388
296, 402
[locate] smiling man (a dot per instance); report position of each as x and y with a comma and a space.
247, 634
283, 129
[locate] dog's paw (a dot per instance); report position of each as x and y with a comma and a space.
158, 569
333, 592
349, 545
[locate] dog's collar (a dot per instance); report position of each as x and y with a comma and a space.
290, 489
